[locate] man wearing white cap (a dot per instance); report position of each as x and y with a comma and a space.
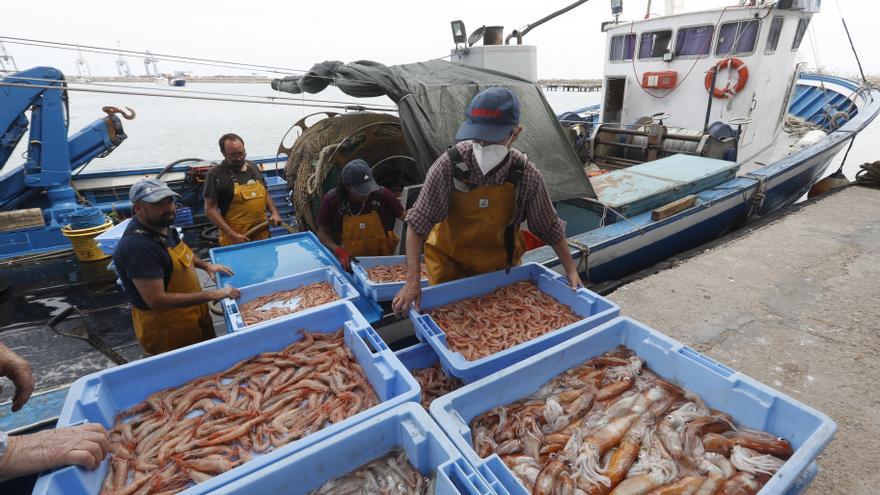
169, 309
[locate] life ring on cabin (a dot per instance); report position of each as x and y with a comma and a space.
742, 77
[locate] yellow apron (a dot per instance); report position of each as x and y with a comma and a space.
471, 239
246, 211
365, 235
163, 330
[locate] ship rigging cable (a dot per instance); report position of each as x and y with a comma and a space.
389, 108
263, 100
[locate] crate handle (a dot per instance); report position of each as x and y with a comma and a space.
706, 362
504, 480
465, 479
376, 343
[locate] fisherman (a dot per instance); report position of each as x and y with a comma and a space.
236, 198
474, 198
83, 445
357, 217
158, 272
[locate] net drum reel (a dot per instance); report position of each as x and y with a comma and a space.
649, 139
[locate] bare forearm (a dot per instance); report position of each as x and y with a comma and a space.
327, 239
564, 255
273, 210
414, 244
170, 300
213, 214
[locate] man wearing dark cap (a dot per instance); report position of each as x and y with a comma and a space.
474, 199
357, 217
157, 269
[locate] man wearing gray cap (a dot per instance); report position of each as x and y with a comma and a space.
169, 309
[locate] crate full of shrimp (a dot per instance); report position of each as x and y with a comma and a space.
285, 297
481, 324
382, 277
401, 448
625, 409
424, 364
197, 418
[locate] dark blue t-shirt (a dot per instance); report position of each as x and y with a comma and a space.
140, 255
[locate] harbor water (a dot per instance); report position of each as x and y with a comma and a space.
168, 129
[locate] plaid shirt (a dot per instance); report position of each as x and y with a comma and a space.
532, 201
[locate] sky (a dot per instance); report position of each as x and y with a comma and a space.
297, 34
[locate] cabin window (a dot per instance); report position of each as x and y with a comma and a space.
622, 47
803, 23
655, 44
773, 35
737, 38
694, 40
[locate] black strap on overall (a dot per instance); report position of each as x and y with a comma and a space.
514, 176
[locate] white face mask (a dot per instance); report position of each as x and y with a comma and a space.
490, 155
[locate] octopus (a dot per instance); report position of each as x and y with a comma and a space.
480, 326
612, 426
384, 274
187, 434
274, 305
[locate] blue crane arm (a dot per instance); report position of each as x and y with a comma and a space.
51, 155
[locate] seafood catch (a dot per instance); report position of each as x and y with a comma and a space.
389, 474
612, 426
477, 327
209, 425
285, 302
434, 383
392, 273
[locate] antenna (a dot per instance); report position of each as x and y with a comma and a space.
149, 59
122, 67
82, 67
6, 60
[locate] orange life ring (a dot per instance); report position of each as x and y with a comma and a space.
742, 77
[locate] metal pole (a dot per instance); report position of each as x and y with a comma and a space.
519, 34
709, 104
864, 79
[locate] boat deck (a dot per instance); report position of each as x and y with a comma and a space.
790, 302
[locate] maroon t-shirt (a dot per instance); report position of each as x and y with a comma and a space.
382, 201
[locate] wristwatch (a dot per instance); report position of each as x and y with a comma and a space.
4, 442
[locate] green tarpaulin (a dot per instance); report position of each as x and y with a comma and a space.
431, 98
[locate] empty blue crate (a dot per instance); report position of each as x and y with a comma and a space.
97, 398
592, 308
750, 403
231, 307
375, 290
406, 427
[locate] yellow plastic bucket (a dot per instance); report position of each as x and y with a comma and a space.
83, 240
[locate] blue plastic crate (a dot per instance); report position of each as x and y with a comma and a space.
234, 321
749, 402
407, 427
593, 308
416, 357
268, 259
373, 290
98, 397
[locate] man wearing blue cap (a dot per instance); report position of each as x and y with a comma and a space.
169, 309
357, 217
474, 199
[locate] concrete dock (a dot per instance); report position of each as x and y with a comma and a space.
793, 304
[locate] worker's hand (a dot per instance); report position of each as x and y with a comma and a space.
344, 257
237, 238
84, 445
213, 269
574, 279
409, 296
18, 370
230, 292
275, 219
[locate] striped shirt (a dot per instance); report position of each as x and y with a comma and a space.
533, 203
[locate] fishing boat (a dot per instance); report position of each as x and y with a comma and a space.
706, 123
177, 80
